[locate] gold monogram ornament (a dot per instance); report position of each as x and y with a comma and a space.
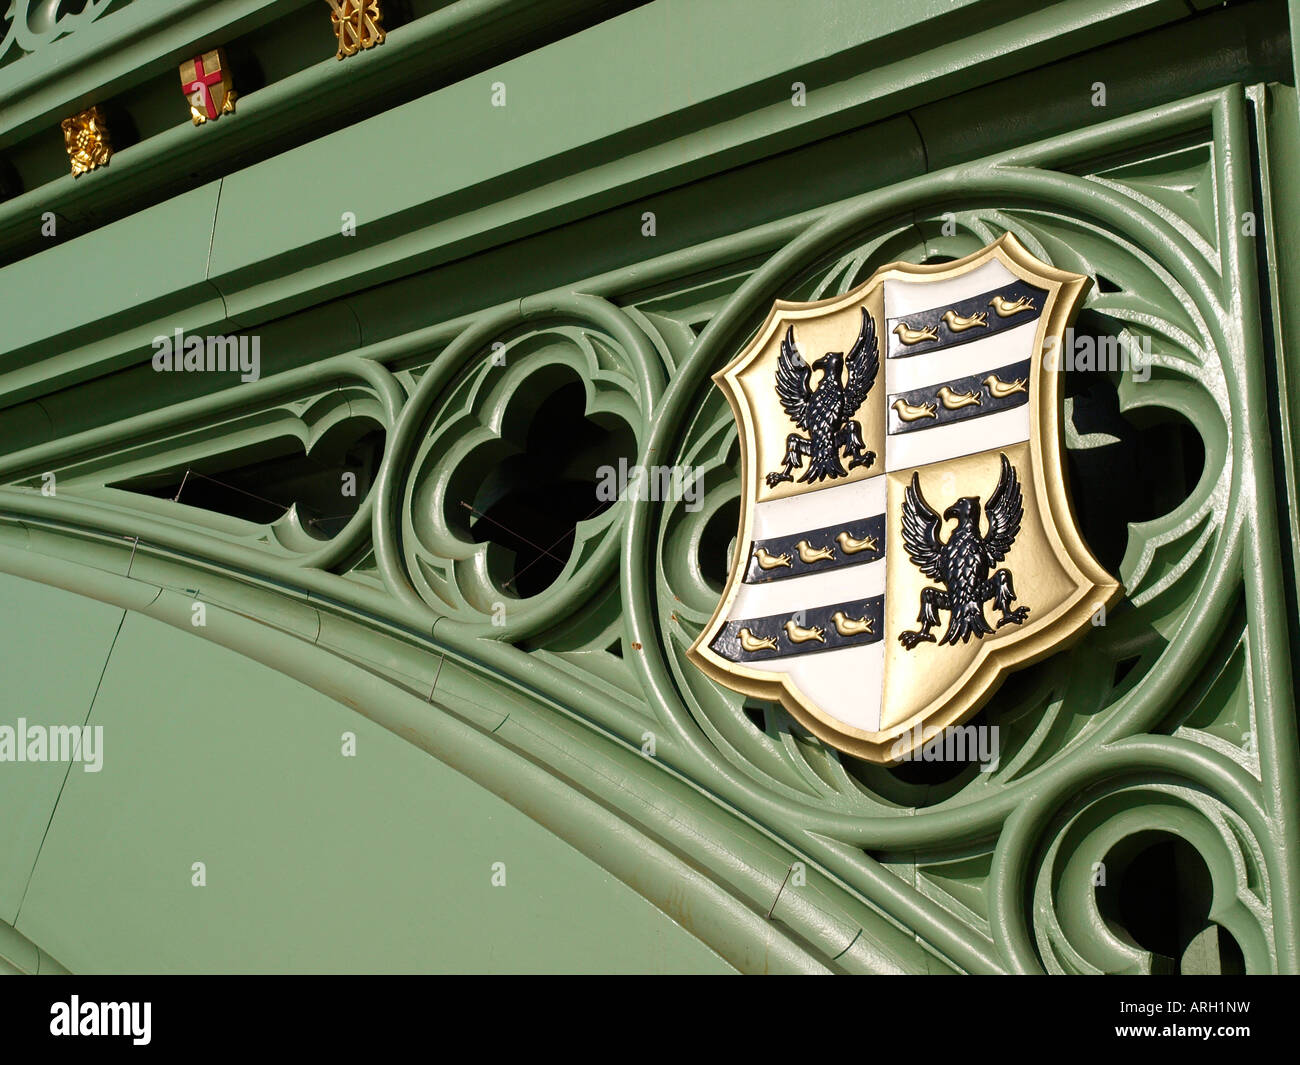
357, 24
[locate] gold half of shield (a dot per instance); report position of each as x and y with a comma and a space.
932, 686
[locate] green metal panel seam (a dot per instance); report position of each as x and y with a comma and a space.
85, 720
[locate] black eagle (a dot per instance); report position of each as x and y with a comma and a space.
962, 564
826, 412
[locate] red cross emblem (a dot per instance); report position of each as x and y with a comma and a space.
207, 85
203, 82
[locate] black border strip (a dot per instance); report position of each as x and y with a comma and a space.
974, 383
727, 642
859, 529
933, 319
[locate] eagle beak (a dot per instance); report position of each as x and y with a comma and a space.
962, 508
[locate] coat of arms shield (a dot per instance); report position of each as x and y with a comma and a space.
906, 536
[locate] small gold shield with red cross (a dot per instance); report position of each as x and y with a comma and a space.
208, 86
906, 536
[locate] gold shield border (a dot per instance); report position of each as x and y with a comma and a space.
1094, 587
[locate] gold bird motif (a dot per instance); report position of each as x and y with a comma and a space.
770, 561
811, 554
958, 324
847, 626
851, 545
1000, 389
798, 634
908, 335
1005, 308
910, 414
752, 643
956, 400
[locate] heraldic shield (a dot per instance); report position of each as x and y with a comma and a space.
906, 536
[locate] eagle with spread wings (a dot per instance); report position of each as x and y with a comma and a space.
826, 412
962, 564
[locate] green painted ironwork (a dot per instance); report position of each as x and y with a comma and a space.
34, 23
577, 705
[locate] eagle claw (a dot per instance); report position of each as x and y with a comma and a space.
866, 459
1014, 617
773, 479
911, 639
